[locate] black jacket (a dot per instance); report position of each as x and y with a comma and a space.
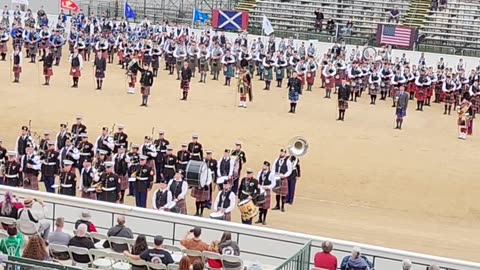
344, 92
147, 78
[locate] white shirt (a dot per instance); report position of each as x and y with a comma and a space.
230, 171
169, 203
80, 60
37, 166
289, 166
232, 199
93, 171
107, 141
182, 194
271, 178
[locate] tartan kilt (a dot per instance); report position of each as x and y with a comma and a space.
302, 78
33, 48
374, 90
182, 207
133, 77
170, 59
420, 94
410, 87
44, 44
266, 205
145, 90
99, 74
203, 66
3, 47
430, 90
449, 98
105, 55
179, 63
476, 103
227, 217
268, 74
120, 55
123, 182
192, 62
75, 72
185, 85
401, 112
47, 71
33, 181
385, 87
293, 95
342, 105
89, 195
393, 91
330, 84
155, 63
200, 194
279, 73
216, 65
17, 69
57, 52
310, 78
283, 189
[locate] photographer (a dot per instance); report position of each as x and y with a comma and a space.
194, 243
37, 216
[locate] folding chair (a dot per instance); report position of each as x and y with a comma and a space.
172, 248
55, 248
98, 236
207, 255
80, 251
120, 241
157, 266
229, 260
120, 261
101, 259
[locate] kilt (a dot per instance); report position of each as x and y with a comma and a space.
385, 87
374, 90
410, 87
227, 216
75, 72
33, 48
200, 194
145, 90
267, 74
99, 74
302, 78
104, 54
123, 182
393, 91
342, 105
476, 103
179, 63
155, 63
293, 95
430, 90
3, 47
33, 181
170, 59
228, 71
192, 62
331, 82
182, 207
89, 195
133, 77
216, 65
401, 112
57, 52
147, 59
108, 196
44, 44
17, 69
283, 189
449, 98
203, 65
268, 199
67, 191
120, 55
185, 85
310, 78
279, 73
47, 71
420, 94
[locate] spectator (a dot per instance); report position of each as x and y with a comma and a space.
85, 219
13, 243
355, 261
347, 30
406, 264
443, 5
139, 247
184, 263
37, 216
229, 247
433, 267
194, 243
120, 230
36, 249
394, 15
325, 259
9, 207
198, 265
59, 237
318, 20
80, 240
154, 255
434, 5
214, 264
331, 26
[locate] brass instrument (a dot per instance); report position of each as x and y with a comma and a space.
297, 146
97, 186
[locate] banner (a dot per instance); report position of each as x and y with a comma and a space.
129, 13
267, 26
199, 16
229, 20
69, 5
21, 2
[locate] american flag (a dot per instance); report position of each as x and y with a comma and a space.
396, 35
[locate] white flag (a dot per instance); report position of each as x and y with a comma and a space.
267, 26
21, 2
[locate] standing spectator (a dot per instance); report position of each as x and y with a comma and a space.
37, 216
120, 230
184, 263
229, 247
394, 15
59, 237
347, 30
13, 243
356, 261
331, 26
9, 207
139, 247
81, 240
318, 20
325, 259
36, 249
154, 255
194, 243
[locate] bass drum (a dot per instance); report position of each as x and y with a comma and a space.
196, 173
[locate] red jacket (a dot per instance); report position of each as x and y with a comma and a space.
325, 260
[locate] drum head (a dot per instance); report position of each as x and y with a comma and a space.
196, 173
216, 215
244, 202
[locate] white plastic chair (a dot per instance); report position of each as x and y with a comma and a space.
27, 228
120, 261
119, 241
192, 253
173, 266
99, 236
138, 263
157, 266
232, 259
212, 256
172, 248
55, 248
7, 220
80, 251
101, 259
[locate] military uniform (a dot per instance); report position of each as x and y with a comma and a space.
196, 151
143, 183
86, 151
77, 129
161, 146
50, 167
134, 158
248, 187
183, 157
68, 183
169, 166
120, 138
110, 188
12, 174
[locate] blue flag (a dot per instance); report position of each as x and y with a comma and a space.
199, 16
129, 13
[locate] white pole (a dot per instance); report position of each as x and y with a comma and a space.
193, 17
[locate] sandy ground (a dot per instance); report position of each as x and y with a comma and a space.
363, 181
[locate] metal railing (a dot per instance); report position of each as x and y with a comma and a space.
299, 261
16, 263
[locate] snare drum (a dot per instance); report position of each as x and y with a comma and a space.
327, 81
261, 198
247, 209
221, 179
196, 173
277, 182
217, 215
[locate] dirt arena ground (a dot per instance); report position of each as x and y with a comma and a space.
363, 181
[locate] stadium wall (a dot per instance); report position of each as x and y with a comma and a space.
268, 246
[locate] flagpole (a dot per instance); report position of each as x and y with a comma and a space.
193, 17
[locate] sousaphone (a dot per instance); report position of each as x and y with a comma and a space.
297, 146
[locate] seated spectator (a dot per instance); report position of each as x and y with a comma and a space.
214, 247
9, 207
80, 240
184, 263
356, 261
120, 230
198, 265
394, 15
318, 20
406, 264
36, 249
331, 26
59, 237
85, 219
139, 247
229, 247
154, 255
194, 243
325, 259
433, 267
347, 30
36, 216
13, 243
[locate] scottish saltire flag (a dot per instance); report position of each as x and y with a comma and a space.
229, 20
199, 16
128, 10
